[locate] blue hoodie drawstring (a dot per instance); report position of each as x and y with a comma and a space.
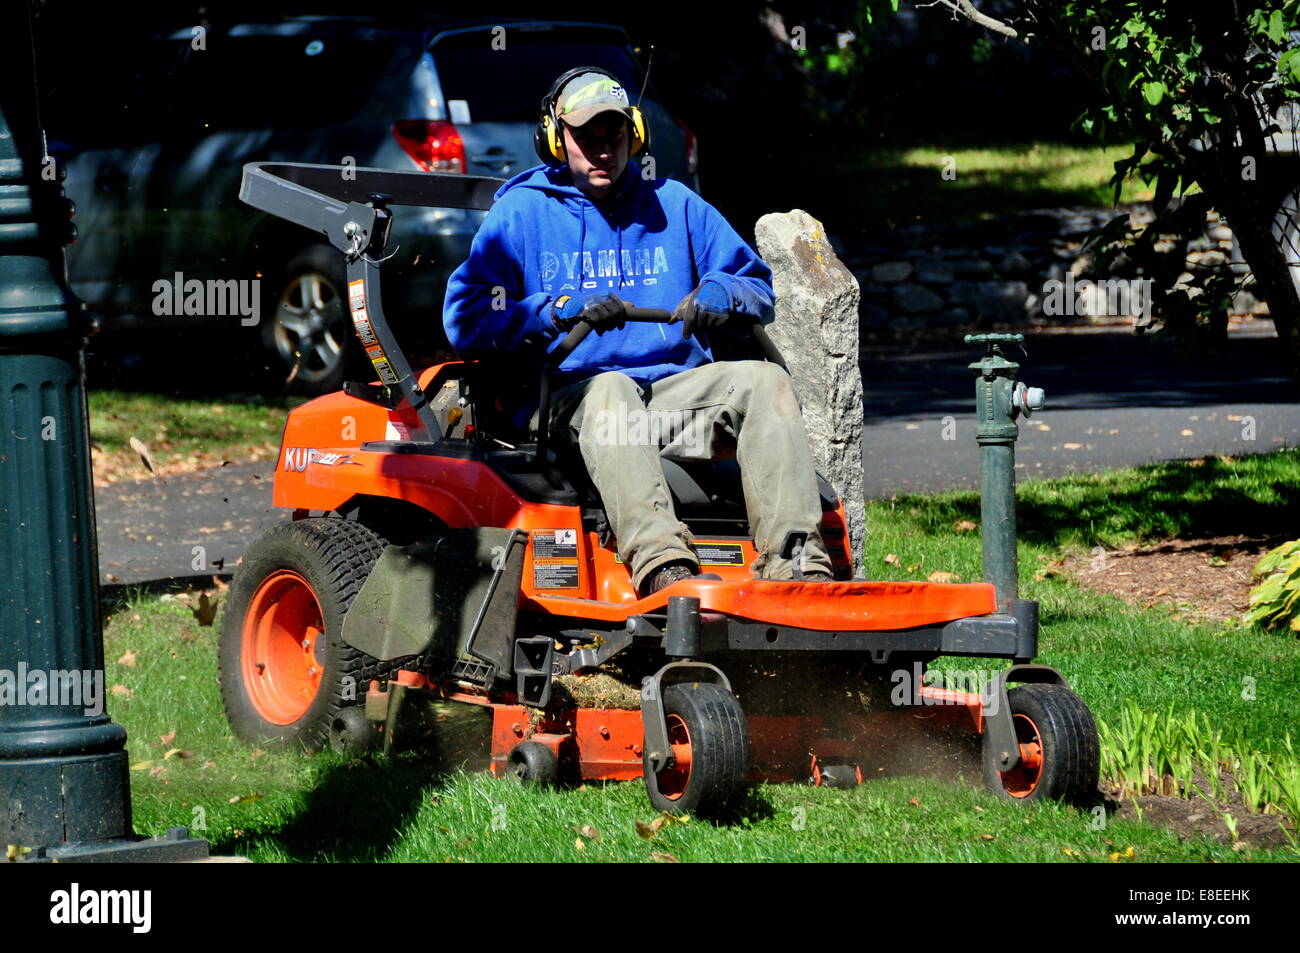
582, 245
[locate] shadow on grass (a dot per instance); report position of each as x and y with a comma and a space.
354, 812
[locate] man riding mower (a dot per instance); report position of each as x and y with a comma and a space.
444, 549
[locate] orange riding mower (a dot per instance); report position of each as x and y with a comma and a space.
438, 554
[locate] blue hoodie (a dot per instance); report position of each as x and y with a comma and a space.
651, 243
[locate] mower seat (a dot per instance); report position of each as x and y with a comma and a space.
713, 489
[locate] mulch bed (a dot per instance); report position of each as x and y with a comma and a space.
1201, 579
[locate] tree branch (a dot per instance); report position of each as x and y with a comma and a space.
967, 9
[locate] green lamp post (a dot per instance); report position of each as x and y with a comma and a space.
64, 788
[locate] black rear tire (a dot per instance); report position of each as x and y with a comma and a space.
1059, 723
709, 721
295, 586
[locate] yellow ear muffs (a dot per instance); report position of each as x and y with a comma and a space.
640, 134
555, 141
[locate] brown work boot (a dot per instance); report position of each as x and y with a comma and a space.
818, 576
665, 576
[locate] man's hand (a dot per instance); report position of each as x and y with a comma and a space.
707, 308
604, 312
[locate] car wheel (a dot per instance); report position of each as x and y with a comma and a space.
308, 336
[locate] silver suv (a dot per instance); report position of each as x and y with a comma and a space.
154, 151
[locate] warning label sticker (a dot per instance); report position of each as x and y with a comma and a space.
555, 543
720, 554
361, 321
555, 575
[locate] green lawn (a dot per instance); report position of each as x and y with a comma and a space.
941, 184
285, 806
181, 434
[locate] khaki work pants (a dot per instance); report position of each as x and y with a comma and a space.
742, 409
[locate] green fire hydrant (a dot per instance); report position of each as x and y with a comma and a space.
999, 400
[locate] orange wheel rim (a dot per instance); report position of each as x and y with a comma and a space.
282, 635
1021, 780
673, 779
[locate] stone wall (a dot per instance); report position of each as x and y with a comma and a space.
997, 272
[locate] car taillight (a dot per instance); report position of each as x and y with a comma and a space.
434, 145
692, 148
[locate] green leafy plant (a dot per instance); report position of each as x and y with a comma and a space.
1275, 602
1146, 752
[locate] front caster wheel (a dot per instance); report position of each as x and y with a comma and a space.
709, 739
1059, 751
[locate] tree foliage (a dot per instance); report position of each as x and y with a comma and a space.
1197, 90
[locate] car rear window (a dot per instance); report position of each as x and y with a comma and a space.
506, 85
285, 82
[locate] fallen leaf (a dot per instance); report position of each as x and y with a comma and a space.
206, 610
579, 843
128, 658
965, 526
168, 738
237, 799
1072, 446
893, 560
13, 851
141, 765
914, 567
662, 858
940, 576
177, 753
1069, 853
646, 831
1186, 433
157, 771
146, 457
914, 802
986, 837
121, 691
586, 830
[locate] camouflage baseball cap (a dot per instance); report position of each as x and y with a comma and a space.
588, 95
